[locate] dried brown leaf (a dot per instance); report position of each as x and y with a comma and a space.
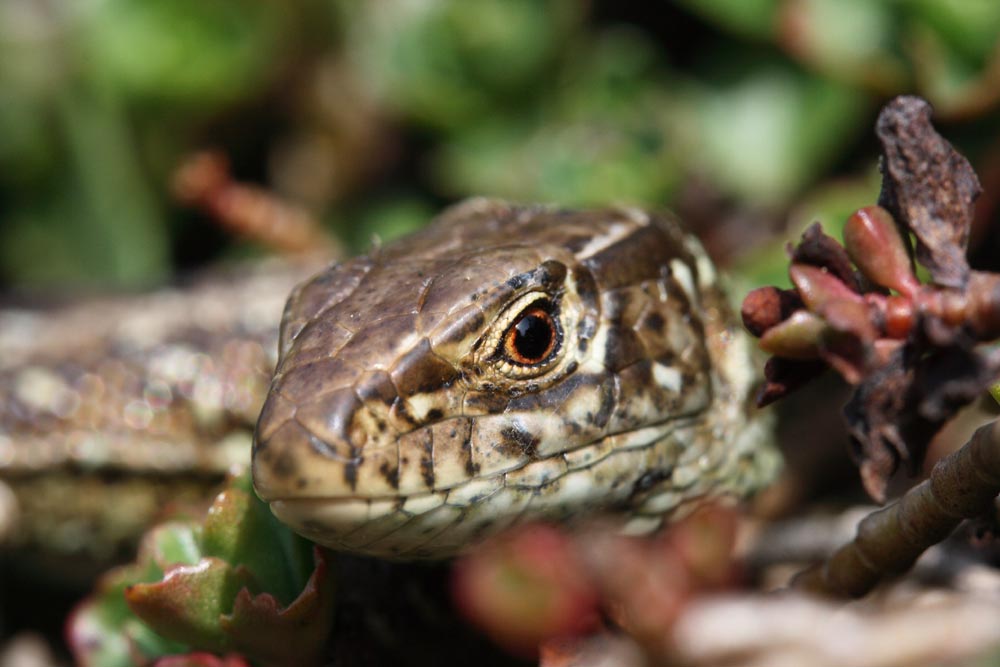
928, 187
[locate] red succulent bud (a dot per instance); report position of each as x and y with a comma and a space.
765, 307
875, 245
818, 287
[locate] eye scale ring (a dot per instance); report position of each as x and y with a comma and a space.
525, 341
532, 337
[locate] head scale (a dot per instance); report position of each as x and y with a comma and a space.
505, 363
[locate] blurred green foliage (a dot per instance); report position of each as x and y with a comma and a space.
373, 114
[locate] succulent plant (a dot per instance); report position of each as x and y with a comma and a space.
237, 582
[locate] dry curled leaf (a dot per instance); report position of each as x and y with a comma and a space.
929, 186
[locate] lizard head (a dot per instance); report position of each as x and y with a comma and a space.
505, 363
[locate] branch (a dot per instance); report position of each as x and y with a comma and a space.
961, 486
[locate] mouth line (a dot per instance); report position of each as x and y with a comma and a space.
400, 498
305, 500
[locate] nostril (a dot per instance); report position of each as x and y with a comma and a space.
330, 418
316, 452
277, 460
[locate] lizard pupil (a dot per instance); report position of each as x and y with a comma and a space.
532, 337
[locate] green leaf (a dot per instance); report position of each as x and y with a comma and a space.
103, 632
231, 41
767, 133
750, 18
447, 65
237, 528
240, 581
186, 604
605, 134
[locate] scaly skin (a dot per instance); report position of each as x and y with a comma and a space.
112, 409
398, 425
394, 427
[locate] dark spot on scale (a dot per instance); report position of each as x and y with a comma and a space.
642, 373
474, 297
519, 440
476, 321
351, 473
616, 304
434, 414
301, 483
390, 473
572, 367
582, 345
586, 286
471, 467
284, 466
488, 400
577, 243
667, 358
648, 481
452, 433
655, 322
517, 282
427, 463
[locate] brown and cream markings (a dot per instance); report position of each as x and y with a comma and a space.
507, 363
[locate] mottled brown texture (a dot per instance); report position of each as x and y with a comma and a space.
112, 407
412, 428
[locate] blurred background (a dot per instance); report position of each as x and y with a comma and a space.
748, 117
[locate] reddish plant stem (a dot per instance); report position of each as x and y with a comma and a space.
204, 181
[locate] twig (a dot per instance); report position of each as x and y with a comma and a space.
888, 542
204, 181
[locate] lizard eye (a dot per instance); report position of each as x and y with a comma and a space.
532, 338
526, 340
